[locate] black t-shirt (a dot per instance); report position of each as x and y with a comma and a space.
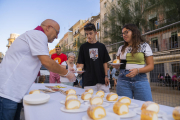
93, 56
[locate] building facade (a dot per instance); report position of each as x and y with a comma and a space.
13, 36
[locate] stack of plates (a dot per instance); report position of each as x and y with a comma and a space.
36, 98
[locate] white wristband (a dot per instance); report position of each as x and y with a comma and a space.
67, 73
138, 70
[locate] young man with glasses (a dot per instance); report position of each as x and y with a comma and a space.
21, 65
93, 57
59, 58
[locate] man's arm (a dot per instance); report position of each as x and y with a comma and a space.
56, 68
51, 65
105, 68
106, 77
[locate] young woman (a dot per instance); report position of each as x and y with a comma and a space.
137, 57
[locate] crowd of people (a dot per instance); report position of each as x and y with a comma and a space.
167, 80
30, 50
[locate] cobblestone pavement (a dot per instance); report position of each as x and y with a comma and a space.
164, 95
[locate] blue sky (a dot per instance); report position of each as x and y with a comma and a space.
19, 16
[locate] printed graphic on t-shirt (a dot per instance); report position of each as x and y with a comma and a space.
93, 52
58, 60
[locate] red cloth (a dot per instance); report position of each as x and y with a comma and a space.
39, 28
59, 58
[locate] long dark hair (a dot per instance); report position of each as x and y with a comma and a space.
136, 38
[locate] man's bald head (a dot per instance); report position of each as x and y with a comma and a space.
51, 29
49, 22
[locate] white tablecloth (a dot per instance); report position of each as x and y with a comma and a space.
51, 110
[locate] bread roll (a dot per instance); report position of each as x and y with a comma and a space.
148, 115
112, 97
96, 100
34, 92
120, 108
71, 96
100, 93
125, 100
151, 106
70, 91
72, 104
86, 96
96, 112
79, 69
176, 113
116, 61
89, 90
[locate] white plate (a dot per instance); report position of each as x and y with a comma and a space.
103, 105
36, 98
132, 105
109, 116
129, 115
63, 101
79, 72
82, 108
160, 114
116, 63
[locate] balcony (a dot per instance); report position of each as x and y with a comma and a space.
76, 33
154, 24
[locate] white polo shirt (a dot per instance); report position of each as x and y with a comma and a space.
21, 65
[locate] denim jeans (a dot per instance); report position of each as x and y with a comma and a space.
137, 87
9, 110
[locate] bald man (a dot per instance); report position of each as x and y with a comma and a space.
21, 65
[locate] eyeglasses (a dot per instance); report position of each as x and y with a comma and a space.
57, 32
125, 33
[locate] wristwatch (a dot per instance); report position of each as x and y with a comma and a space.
106, 75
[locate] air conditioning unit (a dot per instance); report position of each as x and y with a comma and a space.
155, 49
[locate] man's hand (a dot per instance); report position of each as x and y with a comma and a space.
71, 77
106, 81
133, 73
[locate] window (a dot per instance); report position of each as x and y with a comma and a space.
176, 68
97, 26
153, 23
173, 40
105, 5
154, 44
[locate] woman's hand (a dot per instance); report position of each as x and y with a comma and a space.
133, 73
116, 66
71, 69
